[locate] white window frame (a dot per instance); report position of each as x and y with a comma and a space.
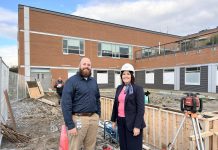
74, 40
103, 79
168, 76
115, 50
149, 77
192, 72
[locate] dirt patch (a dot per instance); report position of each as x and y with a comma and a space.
42, 123
39, 121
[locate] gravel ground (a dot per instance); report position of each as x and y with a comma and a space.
42, 122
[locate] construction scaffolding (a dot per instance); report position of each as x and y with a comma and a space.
162, 124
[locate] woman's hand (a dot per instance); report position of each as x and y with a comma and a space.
136, 131
114, 125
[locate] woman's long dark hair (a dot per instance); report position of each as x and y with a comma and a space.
132, 77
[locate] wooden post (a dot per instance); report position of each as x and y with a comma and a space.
154, 127
167, 128
9, 109
147, 126
206, 140
215, 136
159, 127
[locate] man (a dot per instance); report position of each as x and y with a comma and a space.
81, 107
59, 85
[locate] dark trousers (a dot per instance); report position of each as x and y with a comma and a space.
59, 99
126, 139
60, 94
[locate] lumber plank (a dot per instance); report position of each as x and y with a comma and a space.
204, 135
167, 127
34, 90
154, 127
215, 136
206, 128
10, 109
40, 88
47, 102
12, 135
146, 121
145, 147
159, 128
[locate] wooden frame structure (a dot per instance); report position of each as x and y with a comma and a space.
162, 124
34, 89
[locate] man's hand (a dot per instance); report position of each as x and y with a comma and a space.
136, 131
73, 132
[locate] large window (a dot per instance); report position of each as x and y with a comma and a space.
168, 76
73, 46
114, 50
149, 77
102, 77
192, 76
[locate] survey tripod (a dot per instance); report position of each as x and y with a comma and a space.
197, 132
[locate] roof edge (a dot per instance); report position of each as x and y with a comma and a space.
97, 21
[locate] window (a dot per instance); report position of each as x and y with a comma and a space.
192, 76
217, 76
42, 76
114, 50
124, 51
102, 77
149, 77
73, 46
106, 50
168, 76
146, 53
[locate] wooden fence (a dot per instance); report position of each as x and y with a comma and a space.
163, 123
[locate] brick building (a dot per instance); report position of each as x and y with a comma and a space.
52, 43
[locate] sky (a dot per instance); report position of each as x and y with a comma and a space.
178, 17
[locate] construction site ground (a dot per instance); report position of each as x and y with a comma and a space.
42, 122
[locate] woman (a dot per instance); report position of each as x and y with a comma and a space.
128, 111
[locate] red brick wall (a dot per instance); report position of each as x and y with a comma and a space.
46, 50
204, 56
56, 73
51, 23
44, 47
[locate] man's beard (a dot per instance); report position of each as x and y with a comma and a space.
85, 72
